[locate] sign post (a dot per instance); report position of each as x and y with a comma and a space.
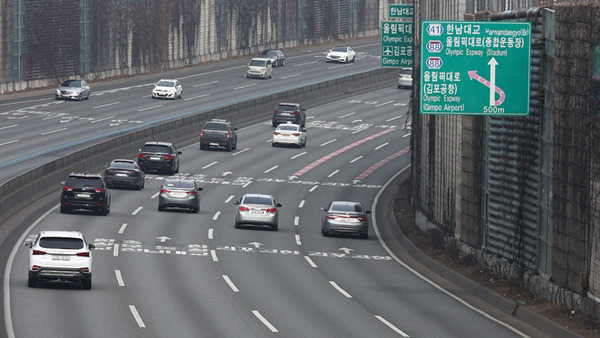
475, 68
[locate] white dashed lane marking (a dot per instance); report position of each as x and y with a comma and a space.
391, 326
265, 321
310, 261
122, 229
137, 317
342, 291
230, 283
119, 278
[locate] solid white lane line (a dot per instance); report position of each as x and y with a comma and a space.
104, 119
9, 142
326, 143
216, 216
296, 220
381, 146
135, 212
270, 169
230, 283
11, 126
301, 204
305, 63
356, 159
391, 326
333, 173
289, 76
407, 135
155, 195
151, 107
195, 97
313, 188
310, 261
122, 229
247, 184
346, 115
213, 254
210, 233
229, 199
119, 278
296, 156
241, 151
210, 165
342, 291
54, 131
383, 104
137, 317
105, 105
205, 84
298, 242
246, 86
393, 118
116, 250
264, 321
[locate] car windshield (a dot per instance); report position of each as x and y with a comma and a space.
291, 128
71, 83
155, 148
215, 126
79, 182
179, 184
122, 165
339, 49
347, 207
286, 107
61, 243
165, 84
257, 200
258, 63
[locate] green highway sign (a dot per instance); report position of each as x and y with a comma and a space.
396, 44
401, 11
475, 68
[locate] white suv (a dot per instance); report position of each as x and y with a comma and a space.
60, 255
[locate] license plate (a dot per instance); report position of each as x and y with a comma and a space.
155, 158
178, 194
285, 134
257, 212
83, 195
285, 114
122, 175
214, 144
348, 220
60, 258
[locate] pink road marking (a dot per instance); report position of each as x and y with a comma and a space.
379, 164
339, 151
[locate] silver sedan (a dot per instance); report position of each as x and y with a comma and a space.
179, 193
344, 217
257, 209
74, 90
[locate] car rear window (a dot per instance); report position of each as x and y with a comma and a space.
79, 182
406, 71
350, 207
122, 165
155, 148
286, 107
179, 184
257, 200
61, 243
291, 128
215, 126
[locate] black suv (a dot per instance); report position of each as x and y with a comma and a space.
85, 191
277, 57
158, 157
289, 112
124, 173
218, 133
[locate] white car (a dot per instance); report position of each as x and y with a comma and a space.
405, 78
167, 89
60, 255
260, 67
341, 54
289, 134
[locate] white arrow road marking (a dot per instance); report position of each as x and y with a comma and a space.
229, 199
54, 131
346, 250
356, 159
213, 254
122, 229
298, 242
210, 165
296, 156
256, 244
310, 261
264, 321
119, 278
137, 317
163, 239
493, 63
135, 212
342, 291
216, 216
391, 326
230, 283
104, 119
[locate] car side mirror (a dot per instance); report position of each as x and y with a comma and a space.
200, 189
236, 202
179, 153
303, 109
63, 183
28, 244
140, 150
278, 205
91, 246
304, 130
322, 209
368, 212
235, 129
159, 186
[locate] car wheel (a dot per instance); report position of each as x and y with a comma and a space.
353, 58
63, 209
304, 143
274, 227
235, 145
31, 282
87, 283
196, 210
229, 146
79, 97
364, 236
273, 144
283, 62
175, 171
161, 208
274, 124
238, 225
325, 233
105, 210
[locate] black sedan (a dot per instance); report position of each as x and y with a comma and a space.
124, 173
277, 57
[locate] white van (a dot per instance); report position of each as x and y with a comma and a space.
260, 67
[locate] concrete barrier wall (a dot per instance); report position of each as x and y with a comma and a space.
22, 190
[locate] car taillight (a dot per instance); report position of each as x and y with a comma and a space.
271, 210
276, 133
165, 191
39, 252
330, 216
296, 112
362, 219
296, 134
202, 133
66, 188
109, 172
36, 267
99, 190
244, 209
228, 135
276, 111
85, 269
83, 254
192, 192
168, 157
141, 155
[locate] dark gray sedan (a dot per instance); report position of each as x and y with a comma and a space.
179, 193
74, 90
343, 217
